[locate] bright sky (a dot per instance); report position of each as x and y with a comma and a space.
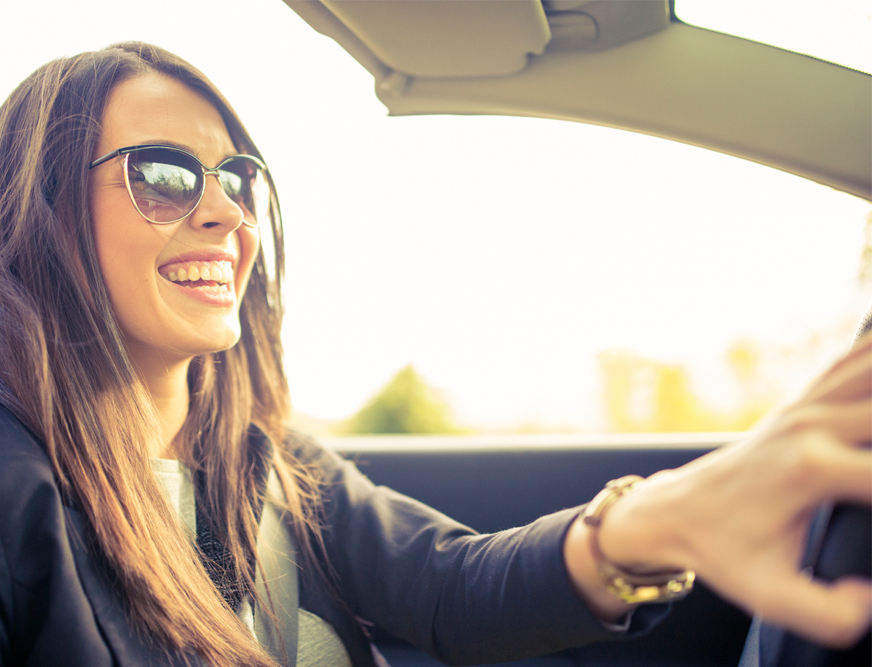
496, 254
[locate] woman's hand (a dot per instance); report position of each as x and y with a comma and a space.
740, 516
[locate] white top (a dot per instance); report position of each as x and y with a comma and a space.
317, 641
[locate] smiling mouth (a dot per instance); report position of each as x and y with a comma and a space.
199, 274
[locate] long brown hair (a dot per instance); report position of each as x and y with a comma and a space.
65, 373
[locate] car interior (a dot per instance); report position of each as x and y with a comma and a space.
632, 65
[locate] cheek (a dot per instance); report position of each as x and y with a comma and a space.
111, 244
249, 244
126, 251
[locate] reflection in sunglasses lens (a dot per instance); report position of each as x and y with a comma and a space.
166, 185
163, 192
243, 181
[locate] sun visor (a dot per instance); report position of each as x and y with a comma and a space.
455, 38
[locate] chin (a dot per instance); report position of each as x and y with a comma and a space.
216, 341
226, 344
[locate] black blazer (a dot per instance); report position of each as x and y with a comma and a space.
56, 608
460, 596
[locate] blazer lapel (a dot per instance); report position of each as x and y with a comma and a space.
128, 648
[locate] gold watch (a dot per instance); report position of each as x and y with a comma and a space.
629, 587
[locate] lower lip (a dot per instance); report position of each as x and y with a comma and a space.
212, 296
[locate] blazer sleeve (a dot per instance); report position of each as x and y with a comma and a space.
463, 597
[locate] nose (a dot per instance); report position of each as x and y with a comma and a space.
216, 209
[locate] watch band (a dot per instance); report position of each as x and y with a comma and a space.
629, 587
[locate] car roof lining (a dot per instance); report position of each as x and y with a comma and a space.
642, 72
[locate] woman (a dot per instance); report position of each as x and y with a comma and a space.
139, 326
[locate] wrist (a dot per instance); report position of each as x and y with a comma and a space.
582, 571
640, 533
643, 583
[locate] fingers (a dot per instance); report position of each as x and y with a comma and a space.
820, 465
850, 473
809, 454
836, 615
849, 378
850, 421
864, 342
812, 451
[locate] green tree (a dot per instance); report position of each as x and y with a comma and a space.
405, 405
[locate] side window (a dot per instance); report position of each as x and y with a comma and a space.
544, 276
505, 274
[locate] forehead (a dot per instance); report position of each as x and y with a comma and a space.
153, 108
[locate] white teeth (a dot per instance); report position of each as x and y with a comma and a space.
219, 272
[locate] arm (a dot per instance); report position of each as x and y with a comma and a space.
739, 516
462, 597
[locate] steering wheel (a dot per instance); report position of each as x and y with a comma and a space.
840, 544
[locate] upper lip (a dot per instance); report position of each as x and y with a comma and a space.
203, 255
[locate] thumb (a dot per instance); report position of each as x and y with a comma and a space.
834, 614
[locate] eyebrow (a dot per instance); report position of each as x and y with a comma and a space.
184, 147
171, 144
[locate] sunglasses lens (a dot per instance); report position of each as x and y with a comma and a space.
165, 184
245, 182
